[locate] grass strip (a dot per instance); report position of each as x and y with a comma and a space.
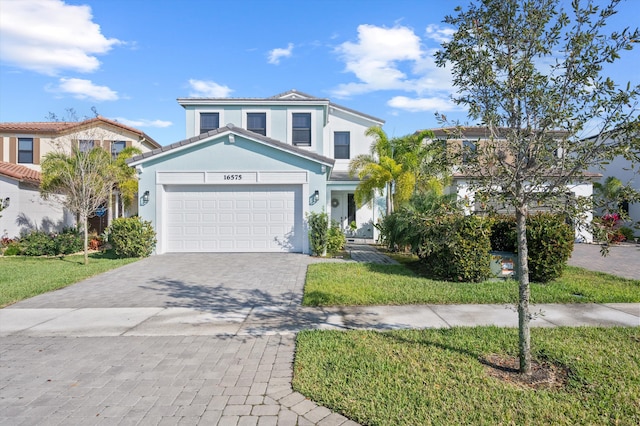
347, 284
22, 277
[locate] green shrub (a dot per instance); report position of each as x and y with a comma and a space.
549, 243
456, 247
318, 233
38, 243
131, 237
627, 232
335, 238
12, 249
69, 241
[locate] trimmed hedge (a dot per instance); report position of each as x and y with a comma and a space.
456, 248
131, 237
549, 241
39, 243
318, 233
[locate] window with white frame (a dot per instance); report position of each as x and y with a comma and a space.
25, 150
209, 121
257, 122
341, 144
301, 128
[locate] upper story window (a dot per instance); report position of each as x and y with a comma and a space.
209, 121
341, 143
469, 150
85, 145
257, 122
301, 128
117, 147
25, 150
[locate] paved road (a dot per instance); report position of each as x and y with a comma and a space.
199, 339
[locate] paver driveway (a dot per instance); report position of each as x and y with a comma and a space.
65, 375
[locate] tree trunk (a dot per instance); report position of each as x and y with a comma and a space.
524, 315
85, 227
389, 200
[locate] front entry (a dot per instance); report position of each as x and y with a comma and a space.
343, 209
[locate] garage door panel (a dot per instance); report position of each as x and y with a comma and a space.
234, 218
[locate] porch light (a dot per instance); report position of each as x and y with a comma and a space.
145, 197
7, 201
315, 197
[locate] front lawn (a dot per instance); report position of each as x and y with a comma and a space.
345, 284
420, 377
23, 277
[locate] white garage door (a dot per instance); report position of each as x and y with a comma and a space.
233, 218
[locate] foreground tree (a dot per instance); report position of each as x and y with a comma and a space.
532, 73
84, 178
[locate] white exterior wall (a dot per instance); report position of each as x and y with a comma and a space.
28, 211
621, 168
359, 143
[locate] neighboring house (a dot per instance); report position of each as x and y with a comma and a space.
24, 208
622, 169
23, 147
251, 170
462, 185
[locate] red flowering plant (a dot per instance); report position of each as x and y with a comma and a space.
609, 228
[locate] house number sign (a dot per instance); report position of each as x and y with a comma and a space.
233, 177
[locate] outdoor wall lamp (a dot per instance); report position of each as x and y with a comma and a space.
6, 202
145, 197
315, 197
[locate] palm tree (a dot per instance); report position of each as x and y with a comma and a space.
398, 166
126, 181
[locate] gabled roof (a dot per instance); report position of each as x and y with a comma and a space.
55, 128
19, 173
230, 128
290, 96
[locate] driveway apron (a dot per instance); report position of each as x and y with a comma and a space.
171, 339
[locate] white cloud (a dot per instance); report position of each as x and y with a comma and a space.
439, 33
48, 36
394, 59
208, 89
276, 54
142, 122
84, 89
422, 104
375, 58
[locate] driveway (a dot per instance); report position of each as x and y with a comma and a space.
623, 260
157, 342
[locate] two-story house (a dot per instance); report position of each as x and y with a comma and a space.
23, 147
469, 140
250, 171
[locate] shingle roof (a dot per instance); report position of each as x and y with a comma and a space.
19, 172
239, 131
59, 127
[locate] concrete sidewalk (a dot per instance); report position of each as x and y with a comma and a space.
279, 320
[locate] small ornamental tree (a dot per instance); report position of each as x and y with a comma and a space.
532, 73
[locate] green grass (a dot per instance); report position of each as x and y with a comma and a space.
345, 284
422, 377
24, 277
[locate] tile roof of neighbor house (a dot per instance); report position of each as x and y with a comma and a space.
238, 131
454, 132
288, 96
19, 172
60, 127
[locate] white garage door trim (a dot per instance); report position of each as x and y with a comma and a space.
233, 218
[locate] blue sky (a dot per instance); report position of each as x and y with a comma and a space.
131, 59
